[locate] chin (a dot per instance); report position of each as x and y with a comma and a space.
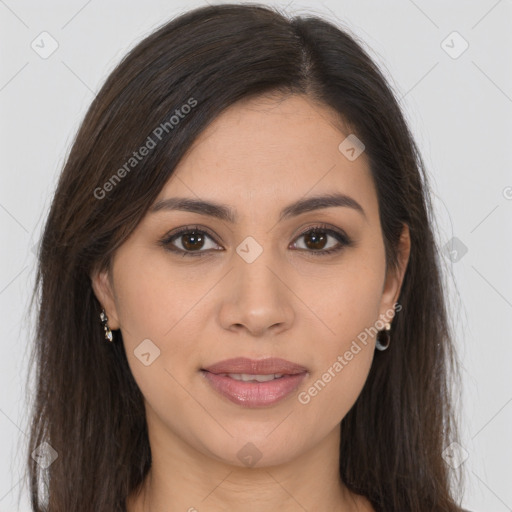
256, 448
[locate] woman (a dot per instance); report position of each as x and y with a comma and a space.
241, 301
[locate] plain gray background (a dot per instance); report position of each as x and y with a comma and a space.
458, 104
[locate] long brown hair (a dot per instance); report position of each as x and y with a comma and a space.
87, 406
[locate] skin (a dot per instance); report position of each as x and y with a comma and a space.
257, 157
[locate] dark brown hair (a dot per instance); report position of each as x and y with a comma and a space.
87, 405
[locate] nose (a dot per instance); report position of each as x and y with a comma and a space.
256, 298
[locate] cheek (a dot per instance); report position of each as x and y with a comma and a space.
159, 311
334, 389
357, 303
152, 297
343, 357
349, 308
346, 297
362, 286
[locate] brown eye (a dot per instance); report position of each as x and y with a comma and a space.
315, 240
190, 242
322, 240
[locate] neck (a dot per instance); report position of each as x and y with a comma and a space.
182, 478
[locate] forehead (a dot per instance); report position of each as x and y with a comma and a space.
271, 150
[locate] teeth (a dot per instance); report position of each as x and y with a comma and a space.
246, 377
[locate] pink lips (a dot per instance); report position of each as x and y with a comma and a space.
251, 393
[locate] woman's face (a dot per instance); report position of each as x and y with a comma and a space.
256, 285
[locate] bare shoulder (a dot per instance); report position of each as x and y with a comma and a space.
364, 505
360, 503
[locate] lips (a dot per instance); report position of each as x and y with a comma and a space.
255, 383
266, 366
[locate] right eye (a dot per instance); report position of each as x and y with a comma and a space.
190, 241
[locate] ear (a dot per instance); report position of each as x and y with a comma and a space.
394, 277
103, 289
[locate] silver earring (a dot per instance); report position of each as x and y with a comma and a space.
383, 338
104, 320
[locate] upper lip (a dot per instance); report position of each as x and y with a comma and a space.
266, 366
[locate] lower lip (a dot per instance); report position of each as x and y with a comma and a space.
254, 394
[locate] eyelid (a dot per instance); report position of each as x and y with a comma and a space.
167, 239
192, 227
343, 239
321, 226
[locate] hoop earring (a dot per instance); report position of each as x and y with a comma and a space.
108, 332
383, 338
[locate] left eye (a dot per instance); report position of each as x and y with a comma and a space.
322, 240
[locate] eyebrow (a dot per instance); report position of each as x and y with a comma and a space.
226, 213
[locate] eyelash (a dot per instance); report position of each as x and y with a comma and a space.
340, 236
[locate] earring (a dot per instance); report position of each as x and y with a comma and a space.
104, 320
383, 338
